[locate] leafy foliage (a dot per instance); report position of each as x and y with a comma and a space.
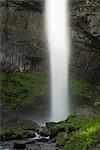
86, 137
9, 134
61, 140
22, 89
85, 89
81, 87
82, 133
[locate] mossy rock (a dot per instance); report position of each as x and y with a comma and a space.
12, 134
62, 138
82, 133
54, 129
86, 137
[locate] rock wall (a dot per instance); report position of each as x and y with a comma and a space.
22, 44
21, 35
85, 32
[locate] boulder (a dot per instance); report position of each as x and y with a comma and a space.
42, 140
54, 129
20, 146
43, 131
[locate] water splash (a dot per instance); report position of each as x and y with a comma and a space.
57, 33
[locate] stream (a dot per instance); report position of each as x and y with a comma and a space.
37, 143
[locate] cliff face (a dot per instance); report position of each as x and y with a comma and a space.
22, 44
21, 35
85, 30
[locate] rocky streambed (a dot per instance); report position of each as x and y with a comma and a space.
37, 142
36, 146
29, 144
40, 140
54, 136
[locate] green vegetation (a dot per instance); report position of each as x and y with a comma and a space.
22, 89
12, 134
80, 133
61, 139
84, 89
85, 138
72, 123
97, 103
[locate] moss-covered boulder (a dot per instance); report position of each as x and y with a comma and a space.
80, 133
13, 134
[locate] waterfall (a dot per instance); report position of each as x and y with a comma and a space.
57, 34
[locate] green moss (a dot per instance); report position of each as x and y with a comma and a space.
11, 134
73, 123
61, 140
86, 137
2, 76
82, 133
97, 103
22, 89
82, 88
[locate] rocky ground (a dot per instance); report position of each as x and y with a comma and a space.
37, 137
36, 146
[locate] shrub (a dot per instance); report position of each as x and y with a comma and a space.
11, 134
22, 89
86, 137
82, 133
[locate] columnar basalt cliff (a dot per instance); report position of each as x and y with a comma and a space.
22, 39
85, 31
22, 44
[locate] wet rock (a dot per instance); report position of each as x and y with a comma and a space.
96, 147
49, 125
43, 131
54, 129
30, 141
43, 146
53, 139
20, 146
13, 121
42, 140
30, 133
85, 111
31, 146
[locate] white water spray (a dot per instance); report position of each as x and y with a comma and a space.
57, 32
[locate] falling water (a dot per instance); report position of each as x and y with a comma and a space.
56, 20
